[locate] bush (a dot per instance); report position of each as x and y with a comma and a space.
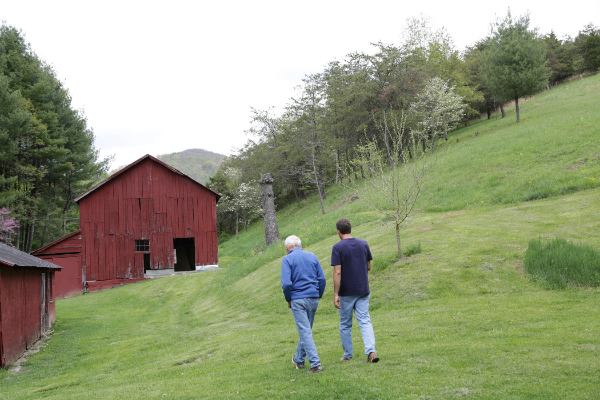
559, 264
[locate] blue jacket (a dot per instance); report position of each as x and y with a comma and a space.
301, 275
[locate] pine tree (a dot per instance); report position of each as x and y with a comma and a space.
515, 64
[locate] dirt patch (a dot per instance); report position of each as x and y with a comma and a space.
518, 266
574, 166
424, 228
453, 214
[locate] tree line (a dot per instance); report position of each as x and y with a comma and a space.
47, 154
316, 140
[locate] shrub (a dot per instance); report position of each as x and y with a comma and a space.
559, 263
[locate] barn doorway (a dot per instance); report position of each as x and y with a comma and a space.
45, 317
185, 254
147, 262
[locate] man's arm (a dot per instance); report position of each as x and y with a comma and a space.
320, 278
286, 280
337, 278
369, 265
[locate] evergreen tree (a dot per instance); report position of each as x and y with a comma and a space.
515, 64
47, 154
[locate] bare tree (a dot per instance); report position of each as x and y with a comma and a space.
393, 190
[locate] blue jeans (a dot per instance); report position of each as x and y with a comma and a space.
360, 306
304, 314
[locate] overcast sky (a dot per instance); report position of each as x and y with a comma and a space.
162, 77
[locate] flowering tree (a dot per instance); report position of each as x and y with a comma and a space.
242, 199
437, 109
8, 227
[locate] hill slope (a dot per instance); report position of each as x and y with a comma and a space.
198, 164
459, 320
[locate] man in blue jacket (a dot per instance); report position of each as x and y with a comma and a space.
303, 284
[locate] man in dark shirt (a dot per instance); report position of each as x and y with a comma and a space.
351, 261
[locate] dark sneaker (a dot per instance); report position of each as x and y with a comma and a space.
373, 358
318, 368
297, 364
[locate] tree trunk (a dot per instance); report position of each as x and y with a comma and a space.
502, 110
320, 193
30, 236
337, 167
268, 203
236, 223
517, 109
296, 193
398, 240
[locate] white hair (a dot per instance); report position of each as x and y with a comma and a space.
293, 241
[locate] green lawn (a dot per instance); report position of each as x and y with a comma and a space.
461, 319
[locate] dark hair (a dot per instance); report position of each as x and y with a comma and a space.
344, 226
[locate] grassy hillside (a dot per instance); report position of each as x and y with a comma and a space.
198, 164
459, 320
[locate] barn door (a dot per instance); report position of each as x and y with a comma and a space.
185, 250
44, 306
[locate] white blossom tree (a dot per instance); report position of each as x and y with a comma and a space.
243, 199
436, 109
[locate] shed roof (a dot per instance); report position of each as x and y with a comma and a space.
133, 164
16, 258
77, 232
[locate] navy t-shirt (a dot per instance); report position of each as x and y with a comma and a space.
352, 254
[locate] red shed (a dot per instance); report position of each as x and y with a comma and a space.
65, 252
27, 307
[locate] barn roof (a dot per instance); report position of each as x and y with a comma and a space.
133, 164
77, 232
16, 258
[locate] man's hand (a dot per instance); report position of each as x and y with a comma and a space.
336, 301
289, 304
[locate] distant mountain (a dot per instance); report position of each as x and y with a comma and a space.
198, 164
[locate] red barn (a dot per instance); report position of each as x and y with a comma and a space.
27, 307
148, 216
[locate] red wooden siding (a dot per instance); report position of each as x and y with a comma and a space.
67, 253
146, 201
20, 300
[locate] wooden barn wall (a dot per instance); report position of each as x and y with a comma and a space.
146, 202
67, 254
20, 297
68, 281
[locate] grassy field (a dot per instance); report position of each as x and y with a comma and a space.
461, 319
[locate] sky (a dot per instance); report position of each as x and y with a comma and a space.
162, 77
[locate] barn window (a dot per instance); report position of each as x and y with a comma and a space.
142, 245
